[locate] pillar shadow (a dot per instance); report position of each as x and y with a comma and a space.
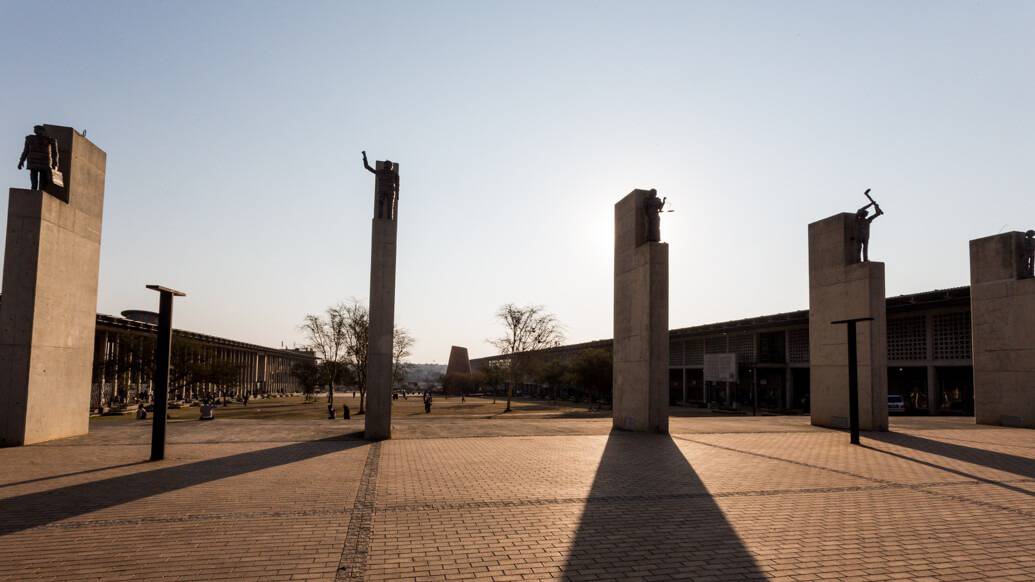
1015, 464
649, 516
41, 508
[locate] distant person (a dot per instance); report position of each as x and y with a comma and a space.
246, 397
427, 403
141, 411
330, 412
346, 413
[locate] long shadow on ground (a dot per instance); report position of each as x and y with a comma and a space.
649, 516
1021, 466
37, 509
1005, 462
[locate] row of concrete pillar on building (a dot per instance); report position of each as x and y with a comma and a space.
123, 360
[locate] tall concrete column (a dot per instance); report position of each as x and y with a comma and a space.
841, 287
640, 321
378, 421
1002, 319
932, 390
48, 315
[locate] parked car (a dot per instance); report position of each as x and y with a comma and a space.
896, 403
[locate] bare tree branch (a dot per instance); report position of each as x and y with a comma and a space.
527, 329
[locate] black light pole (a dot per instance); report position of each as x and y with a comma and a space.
853, 376
163, 348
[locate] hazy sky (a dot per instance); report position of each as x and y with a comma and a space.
233, 132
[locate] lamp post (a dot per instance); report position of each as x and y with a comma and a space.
163, 349
853, 376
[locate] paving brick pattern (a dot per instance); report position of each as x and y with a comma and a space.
530, 499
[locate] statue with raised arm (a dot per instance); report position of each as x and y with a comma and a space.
41, 153
386, 188
1029, 253
653, 206
862, 228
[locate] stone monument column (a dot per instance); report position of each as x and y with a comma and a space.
1002, 318
48, 310
640, 320
841, 287
378, 421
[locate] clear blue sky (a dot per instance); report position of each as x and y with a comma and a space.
233, 132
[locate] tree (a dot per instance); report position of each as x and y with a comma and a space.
552, 372
327, 335
356, 320
341, 340
593, 370
223, 374
308, 375
461, 382
492, 375
185, 367
527, 329
402, 341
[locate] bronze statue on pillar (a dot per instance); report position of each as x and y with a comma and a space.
653, 206
386, 188
41, 153
862, 228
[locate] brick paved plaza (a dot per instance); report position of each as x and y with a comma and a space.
523, 499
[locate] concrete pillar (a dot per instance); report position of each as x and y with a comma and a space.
932, 390
48, 316
840, 288
686, 397
788, 388
640, 321
1002, 316
378, 421
97, 371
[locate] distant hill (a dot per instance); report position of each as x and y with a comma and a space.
424, 372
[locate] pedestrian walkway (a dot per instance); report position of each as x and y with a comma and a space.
524, 499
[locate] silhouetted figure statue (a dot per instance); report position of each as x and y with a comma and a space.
862, 228
1029, 253
41, 153
653, 207
386, 188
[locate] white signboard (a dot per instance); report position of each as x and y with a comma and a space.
720, 367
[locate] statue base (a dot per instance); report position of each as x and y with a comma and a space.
841, 288
640, 401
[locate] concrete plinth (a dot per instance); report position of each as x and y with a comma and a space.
459, 361
48, 310
640, 322
1002, 314
841, 288
378, 421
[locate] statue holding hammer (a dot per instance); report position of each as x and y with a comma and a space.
862, 228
